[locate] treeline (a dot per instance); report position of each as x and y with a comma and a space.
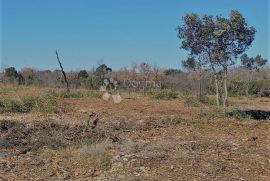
144, 77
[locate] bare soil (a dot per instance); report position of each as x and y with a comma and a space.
138, 139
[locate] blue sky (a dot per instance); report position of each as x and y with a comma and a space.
119, 32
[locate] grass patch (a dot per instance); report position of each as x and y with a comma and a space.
86, 141
93, 94
41, 104
73, 94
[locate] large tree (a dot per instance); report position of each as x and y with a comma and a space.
218, 40
197, 35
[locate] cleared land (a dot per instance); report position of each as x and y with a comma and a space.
80, 136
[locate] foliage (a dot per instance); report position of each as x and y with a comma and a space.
82, 74
101, 70
217, 42
11, 72
238, 114
256, 88
172, 71
253, 63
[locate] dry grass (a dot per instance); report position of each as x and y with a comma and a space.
139, 139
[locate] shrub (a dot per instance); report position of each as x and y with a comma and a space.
27, 104
6, 124
11, 106
256, 87
192, 102
238, 114
162, 94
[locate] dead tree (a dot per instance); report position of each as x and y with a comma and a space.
63, 72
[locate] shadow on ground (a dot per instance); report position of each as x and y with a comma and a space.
258, 114
252, 114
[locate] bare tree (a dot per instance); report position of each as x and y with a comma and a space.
63, 72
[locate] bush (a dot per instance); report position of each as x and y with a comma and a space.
6, 124
162, 94
11, 106
238, 114
193, 102
256, 87
27, 104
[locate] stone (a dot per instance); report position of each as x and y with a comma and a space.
117, 99
106, 96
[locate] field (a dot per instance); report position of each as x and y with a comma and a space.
47, 134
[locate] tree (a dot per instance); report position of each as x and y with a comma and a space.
82, 74
233, 37
101, 71
28, 75
63, 72
219, 40
11, 73
197, 67
172, 71
197, 35
252, 64
146, 70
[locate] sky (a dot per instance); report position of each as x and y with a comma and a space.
115, 32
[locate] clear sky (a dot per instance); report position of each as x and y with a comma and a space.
120, 32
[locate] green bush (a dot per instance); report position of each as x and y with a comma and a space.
162, 94
256, 88
192, 102
27, 104
238, 114
11, 106
6, 124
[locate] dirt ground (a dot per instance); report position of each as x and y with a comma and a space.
139, 139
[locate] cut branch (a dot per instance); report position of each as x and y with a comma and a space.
63, 72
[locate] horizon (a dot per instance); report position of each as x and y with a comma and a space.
120, 33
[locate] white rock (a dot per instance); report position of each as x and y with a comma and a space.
117, 98
106, 96
102, 88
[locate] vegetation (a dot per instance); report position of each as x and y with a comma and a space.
216, 42
164, 94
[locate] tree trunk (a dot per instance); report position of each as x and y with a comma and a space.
200, 90
248, 84
225, 98
217, 91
